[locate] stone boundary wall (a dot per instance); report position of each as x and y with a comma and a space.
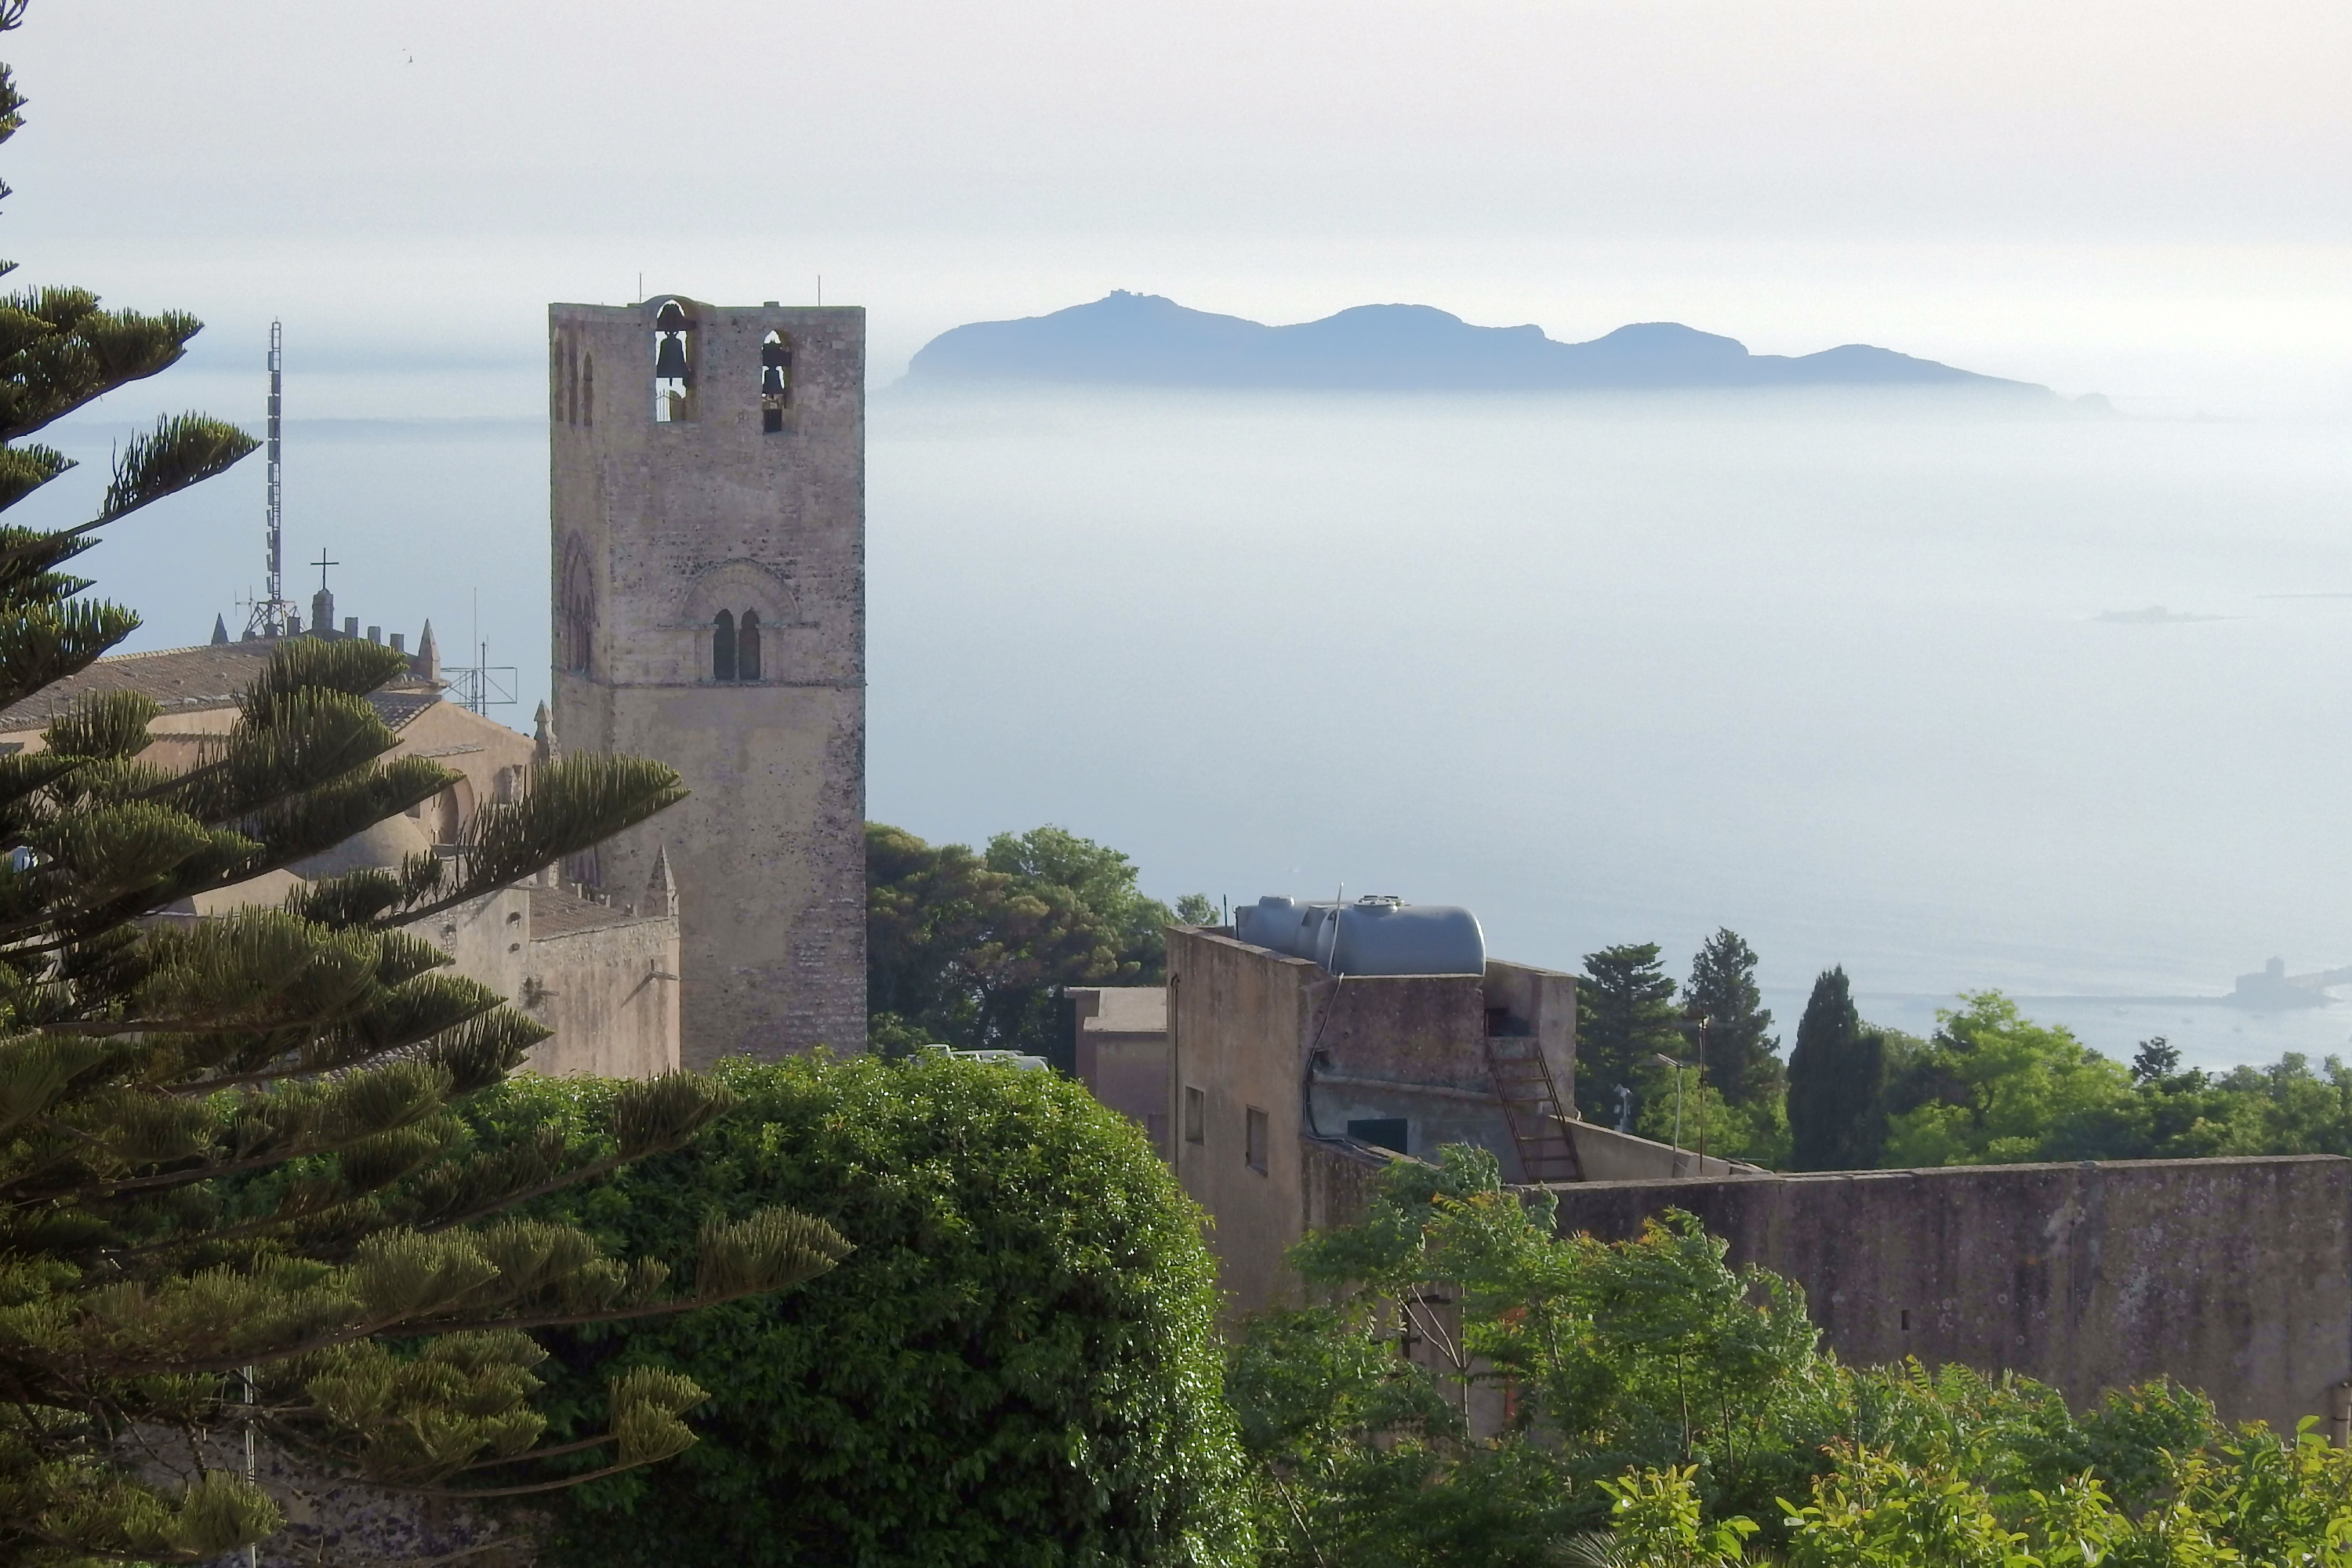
2231, 1276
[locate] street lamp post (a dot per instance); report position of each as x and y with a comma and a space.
1699, 1026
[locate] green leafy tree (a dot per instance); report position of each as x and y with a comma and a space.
1995, 1088
1743, 1061
1837, 1075
1666, 1411
1198, 910
1755, 1132
233, 1189
1104, 880
1624, 1015
1019, 1363
973, 950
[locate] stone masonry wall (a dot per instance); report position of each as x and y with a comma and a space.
657, 527
2227, 1275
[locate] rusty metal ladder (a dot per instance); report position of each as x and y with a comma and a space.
1531, 1105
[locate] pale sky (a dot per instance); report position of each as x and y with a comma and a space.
2144, 197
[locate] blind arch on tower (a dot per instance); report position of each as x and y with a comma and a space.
576, 607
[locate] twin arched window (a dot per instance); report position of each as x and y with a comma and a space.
735, 647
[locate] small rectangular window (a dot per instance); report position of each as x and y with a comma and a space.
1196, 1115
1381, 1132
1254, 1138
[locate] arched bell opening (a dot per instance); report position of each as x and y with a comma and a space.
673, 363
775, 382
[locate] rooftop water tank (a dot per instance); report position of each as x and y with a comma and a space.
1375, 935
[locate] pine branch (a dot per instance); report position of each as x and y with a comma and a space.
24, 469
183, 450
573, 803
404, 1286
102, 724
42, 645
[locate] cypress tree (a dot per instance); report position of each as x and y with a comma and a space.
1837, 1081
1624, 1012
233, 1188
1743, 1061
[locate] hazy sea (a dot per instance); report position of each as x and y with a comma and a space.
1841, 676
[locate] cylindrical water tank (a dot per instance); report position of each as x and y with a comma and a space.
1372, 936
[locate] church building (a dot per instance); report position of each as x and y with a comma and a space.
708, 574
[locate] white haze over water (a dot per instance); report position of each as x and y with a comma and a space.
1604, 670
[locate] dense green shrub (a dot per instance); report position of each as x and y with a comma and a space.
1664, 1410
1016, 1365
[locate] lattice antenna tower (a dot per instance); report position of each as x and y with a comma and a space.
271, 613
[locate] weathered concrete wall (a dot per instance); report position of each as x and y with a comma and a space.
1540, 1002
1236, 1015
1121, 1053
1434, 1117
657, 527
1339, 1178
610, 992
1424, 1029
2228, 1275
1604, 1154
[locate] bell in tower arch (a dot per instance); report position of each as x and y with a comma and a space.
669, 359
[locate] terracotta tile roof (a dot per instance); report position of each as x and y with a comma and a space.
189, 680
559, 911
397, 706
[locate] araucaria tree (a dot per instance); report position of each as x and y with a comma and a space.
233, 1192
1837, 1083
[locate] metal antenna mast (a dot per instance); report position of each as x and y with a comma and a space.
270, 612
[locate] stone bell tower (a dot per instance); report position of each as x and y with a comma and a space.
708, 574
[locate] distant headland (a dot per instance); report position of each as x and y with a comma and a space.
1144, 339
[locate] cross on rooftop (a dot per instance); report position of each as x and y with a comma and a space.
322, 564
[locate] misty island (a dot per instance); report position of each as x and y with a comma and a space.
1145, 340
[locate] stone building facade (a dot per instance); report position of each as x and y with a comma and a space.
708, 574
600, 971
